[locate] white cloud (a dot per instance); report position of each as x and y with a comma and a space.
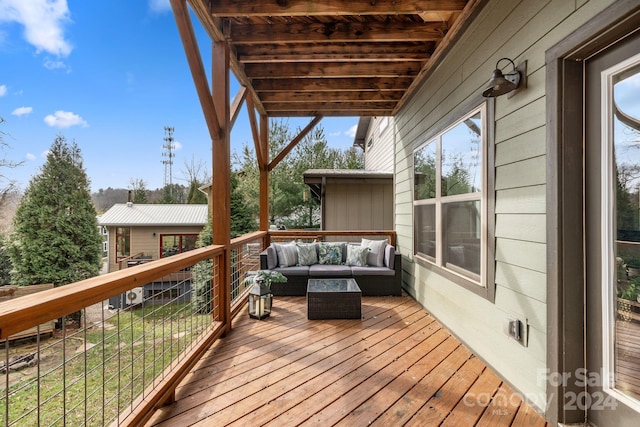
51, 64
3, 90
44, 154
21, 111
177, 145
43, 22
351, 133
159, 5
30, 156
64, 119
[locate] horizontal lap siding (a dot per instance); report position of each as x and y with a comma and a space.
522, 31
380, 154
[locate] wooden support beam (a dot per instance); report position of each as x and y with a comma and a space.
332, 69
369, 112
212, 26
294, 142
237, 105
329, 106
256, 134
221, 176
264, 173
190, 44
332, 7
332, 85
344, 96
338, 32
323, 52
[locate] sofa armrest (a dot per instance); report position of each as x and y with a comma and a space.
268, 259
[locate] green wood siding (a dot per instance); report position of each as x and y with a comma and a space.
521, 31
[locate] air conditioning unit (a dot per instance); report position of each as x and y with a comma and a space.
134, 296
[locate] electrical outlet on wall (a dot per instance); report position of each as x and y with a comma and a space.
516, 329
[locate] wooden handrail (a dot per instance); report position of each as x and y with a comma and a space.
32, 310
245, 238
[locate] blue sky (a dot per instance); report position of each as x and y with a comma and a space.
109, 75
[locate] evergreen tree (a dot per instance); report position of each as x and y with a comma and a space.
242, 219
172, 194
139, 193
287, 203
202, 274
195, 196
56, 238
5, 263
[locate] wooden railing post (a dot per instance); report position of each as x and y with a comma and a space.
221, 188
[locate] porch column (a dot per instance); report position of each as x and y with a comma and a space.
221, 174
264, 172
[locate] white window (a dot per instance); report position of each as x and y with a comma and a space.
450, 198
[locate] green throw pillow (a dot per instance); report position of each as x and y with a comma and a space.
357, 255
330, 253
307, 254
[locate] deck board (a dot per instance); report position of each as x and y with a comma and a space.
396, 366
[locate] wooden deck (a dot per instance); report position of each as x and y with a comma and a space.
396, 366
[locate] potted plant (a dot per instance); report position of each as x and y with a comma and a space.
267, 277
627, 296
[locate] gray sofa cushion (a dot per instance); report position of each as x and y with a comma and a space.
272, 258
389, 256
372, 271
328, 270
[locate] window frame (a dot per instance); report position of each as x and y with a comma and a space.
125, 233
484, 283
181, 236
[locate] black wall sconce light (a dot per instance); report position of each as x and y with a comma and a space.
503, 83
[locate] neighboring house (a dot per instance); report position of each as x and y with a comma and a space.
375, 136
352, 199
138, 233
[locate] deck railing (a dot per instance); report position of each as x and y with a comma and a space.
114, 366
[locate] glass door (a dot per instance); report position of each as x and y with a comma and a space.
612, 237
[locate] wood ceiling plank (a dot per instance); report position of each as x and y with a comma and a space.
332, 69
330, 105
331, 7
346, 96
343, 32
335, 51
332, 84
333, 113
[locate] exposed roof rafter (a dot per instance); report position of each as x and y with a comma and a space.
334, 57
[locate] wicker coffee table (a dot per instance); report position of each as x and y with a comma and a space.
333, 299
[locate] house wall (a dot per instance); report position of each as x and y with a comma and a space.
358, 205
143, 240
379, 145
522, 31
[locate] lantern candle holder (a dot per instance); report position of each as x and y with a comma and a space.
260, 300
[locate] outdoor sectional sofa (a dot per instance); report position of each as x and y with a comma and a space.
374, 264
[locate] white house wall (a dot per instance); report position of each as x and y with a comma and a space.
379, 145
522, 31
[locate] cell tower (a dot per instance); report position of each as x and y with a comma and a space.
168, 155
